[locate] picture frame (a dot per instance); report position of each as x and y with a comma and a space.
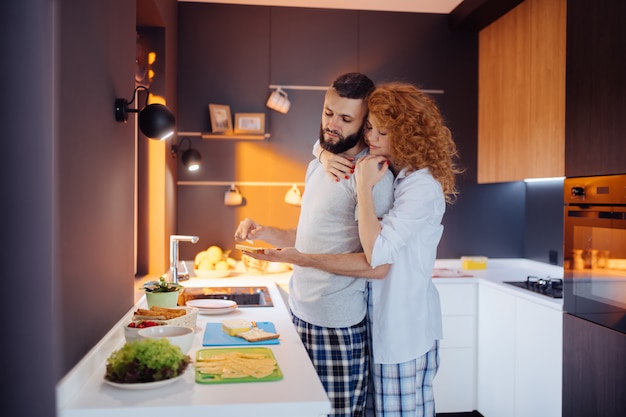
249, 123
221, 120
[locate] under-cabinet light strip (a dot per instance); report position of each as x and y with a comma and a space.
324, 88
242, 183
544, 179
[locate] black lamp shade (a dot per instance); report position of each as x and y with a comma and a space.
191, 159
156, 121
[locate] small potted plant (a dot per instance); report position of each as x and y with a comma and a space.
162, 293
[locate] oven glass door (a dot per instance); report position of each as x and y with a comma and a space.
594, 286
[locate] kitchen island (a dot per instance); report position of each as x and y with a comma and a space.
82, 392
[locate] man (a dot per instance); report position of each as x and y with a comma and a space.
329, 310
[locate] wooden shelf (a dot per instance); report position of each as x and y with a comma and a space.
227, 136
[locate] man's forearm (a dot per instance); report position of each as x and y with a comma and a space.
350, 264
281, 238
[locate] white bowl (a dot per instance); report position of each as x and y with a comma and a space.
130, 333
212, 273
178, 336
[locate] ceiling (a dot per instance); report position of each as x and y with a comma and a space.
411, 6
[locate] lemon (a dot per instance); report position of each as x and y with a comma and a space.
206, 264
215, 254
200, 256
231, 262
222, 266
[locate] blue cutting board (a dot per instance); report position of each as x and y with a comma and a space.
215, 336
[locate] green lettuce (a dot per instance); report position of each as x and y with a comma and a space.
146, 360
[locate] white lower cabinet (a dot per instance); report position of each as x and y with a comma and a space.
519, 359
496, 356
455, 383
538, 360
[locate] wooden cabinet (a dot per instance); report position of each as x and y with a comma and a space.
594, 369
521, 98
596, 88
455, 383
519, 356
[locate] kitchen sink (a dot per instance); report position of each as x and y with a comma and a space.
243, 296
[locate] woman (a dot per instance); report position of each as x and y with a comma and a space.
406, 133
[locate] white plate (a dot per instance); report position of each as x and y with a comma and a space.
143, 385
210, 304
216, 311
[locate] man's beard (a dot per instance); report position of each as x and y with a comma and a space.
343, 144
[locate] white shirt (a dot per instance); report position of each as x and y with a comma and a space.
406, 312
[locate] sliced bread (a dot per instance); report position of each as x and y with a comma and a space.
256, 335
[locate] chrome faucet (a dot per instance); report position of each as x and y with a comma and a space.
174, 239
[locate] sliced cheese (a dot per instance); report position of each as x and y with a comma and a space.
232, 327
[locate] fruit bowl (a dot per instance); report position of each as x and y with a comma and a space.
212, 273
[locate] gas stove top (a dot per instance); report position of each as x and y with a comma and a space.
550, 287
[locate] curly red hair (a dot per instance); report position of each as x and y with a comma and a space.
418, 137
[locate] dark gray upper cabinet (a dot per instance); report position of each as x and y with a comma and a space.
595, 120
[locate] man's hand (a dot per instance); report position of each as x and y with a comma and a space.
248, 230
286, 255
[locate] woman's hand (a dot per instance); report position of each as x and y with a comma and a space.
369, 170
337, 166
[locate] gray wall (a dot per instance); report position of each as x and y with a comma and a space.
543, 225
230, 54
220, 63
68, 182
506, 220
27, 223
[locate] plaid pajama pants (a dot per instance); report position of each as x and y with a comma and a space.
341, 360
403, 389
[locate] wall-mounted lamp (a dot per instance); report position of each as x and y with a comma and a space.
191, 158
155, 120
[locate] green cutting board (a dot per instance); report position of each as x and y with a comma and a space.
202, 378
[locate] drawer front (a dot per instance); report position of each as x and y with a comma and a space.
457, 299
455, 383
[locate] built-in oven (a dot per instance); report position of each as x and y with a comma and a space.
594, 281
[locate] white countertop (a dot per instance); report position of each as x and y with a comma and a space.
508, 269
83, 393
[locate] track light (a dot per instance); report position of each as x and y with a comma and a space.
191, 158
278, 101
155, 120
